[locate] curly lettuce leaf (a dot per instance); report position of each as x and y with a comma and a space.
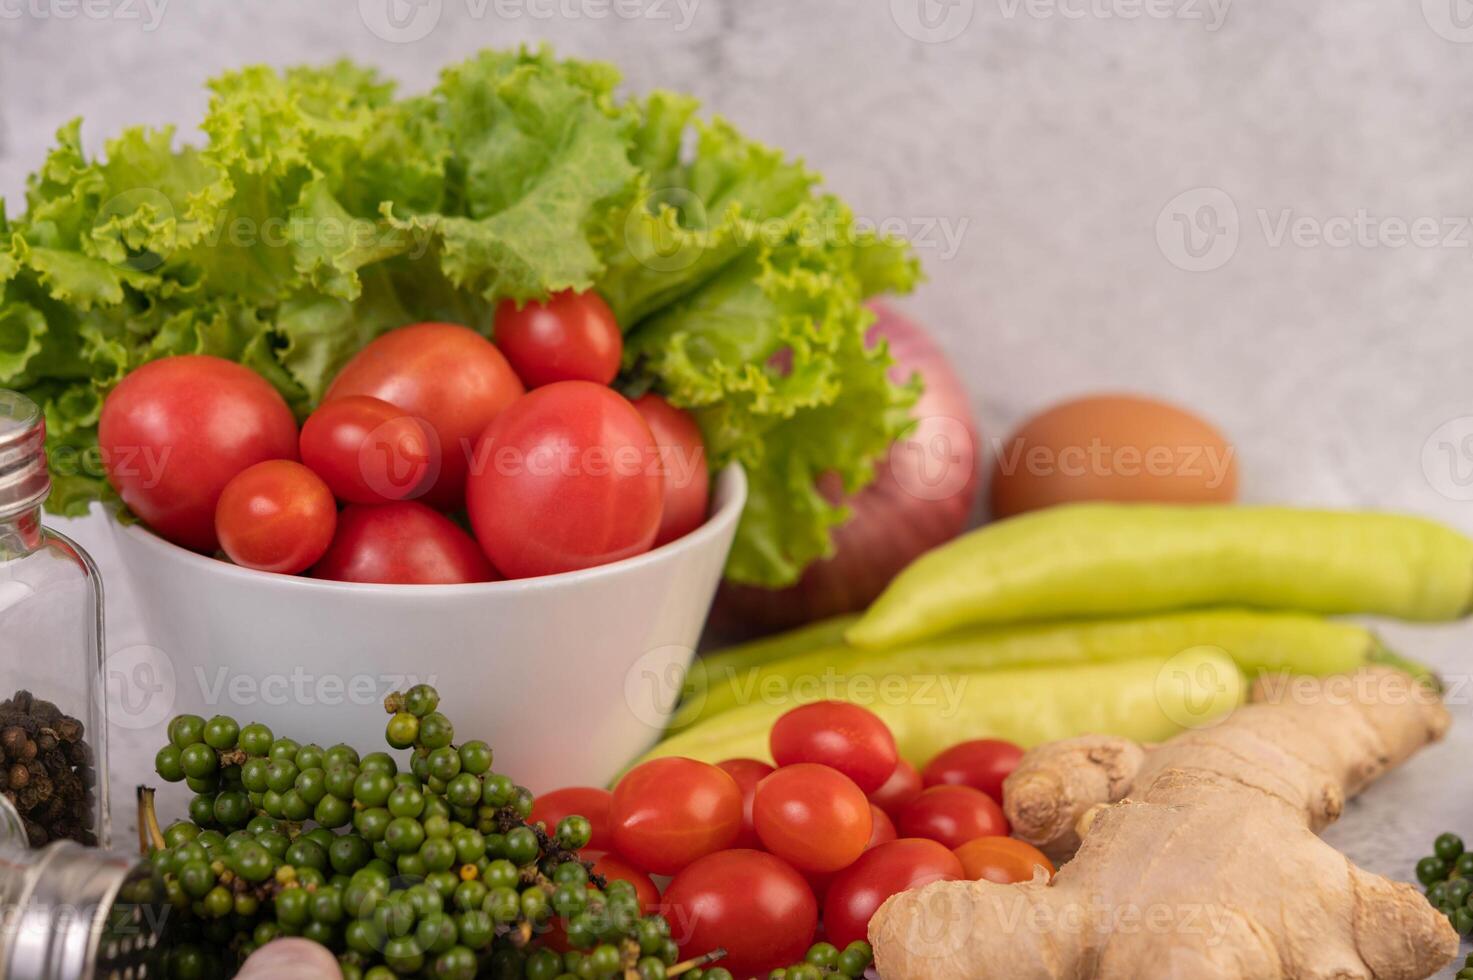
320, 211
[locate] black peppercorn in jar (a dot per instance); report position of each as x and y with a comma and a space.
52, 700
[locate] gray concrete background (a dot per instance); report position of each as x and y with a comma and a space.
1050, 158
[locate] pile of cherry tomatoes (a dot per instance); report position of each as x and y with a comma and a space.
553, 469
766, 858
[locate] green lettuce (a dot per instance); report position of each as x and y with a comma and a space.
321, 210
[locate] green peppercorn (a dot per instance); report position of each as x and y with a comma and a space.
166, 763
475, 758
1431, 869
198, 760
255, 740
221, 732
402, 730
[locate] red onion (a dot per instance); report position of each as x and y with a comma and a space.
922, 497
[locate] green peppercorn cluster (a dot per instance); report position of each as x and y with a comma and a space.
429, 872
1447, 874
823, 960
1466, 973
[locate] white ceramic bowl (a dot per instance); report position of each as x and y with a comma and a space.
568, 677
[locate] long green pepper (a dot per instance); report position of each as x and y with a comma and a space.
1147, 699
1259, 642
1094, 560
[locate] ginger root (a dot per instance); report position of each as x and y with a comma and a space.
1208, 868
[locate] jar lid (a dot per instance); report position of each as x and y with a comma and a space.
24, 481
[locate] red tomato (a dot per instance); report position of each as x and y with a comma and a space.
571, 337
585, 802
953, 815
812, 817
449, 376
669, 812
368, 451
903, 786
859, 890
683, 467
883, 833
1001, 859
842, 736
982, 764
403, 544
751, 904
276, 516
884, 828
747, 773
175, 431
564, 480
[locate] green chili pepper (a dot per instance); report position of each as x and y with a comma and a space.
1258, 641
1147, 699
1092, 560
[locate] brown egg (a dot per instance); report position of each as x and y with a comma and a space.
1113, 447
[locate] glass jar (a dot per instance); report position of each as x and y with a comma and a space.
76, 913
53, 724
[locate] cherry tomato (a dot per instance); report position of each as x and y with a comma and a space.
1001, 859
612, 868
584, 801
175, 431
751, 904
982, 764
952, 815
683, 467
564, 480
405, 543
368, 451
571, 337
449, 376
842, 736
859, 890
812, 817
903, 786
883, 832
669, 812
747, 773
276, 516
884, 828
